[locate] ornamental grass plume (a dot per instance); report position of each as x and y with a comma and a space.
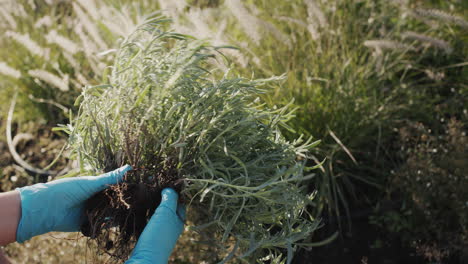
164, 112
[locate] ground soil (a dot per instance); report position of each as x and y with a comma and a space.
39, 149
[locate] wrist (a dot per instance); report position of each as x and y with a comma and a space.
10, 215
31, 221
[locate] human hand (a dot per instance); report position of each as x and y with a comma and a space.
161, 233
59, 205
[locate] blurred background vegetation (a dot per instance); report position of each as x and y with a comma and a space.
383, 84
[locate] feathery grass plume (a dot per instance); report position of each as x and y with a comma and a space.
81, 79
112, 24
314, 12
162, 113
441, 16
180, 4
19, 11
7, 17
248, 21
315, 19
313, 30
72, 61
66, 44
89, 47
198, 18
13, 9
9, 71
118, 22
44, 21
434, 42
400, 3
177, 5
91, 8
383, 44
253, 57
28, 43
293, 20
172, 8
50, 79
195, 16
31, 4
90, 27
199, 26
278, 34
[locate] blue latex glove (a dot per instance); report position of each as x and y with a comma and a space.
161, 233
59, 205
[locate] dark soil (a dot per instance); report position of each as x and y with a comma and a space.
39, 149
117, 216
125, 206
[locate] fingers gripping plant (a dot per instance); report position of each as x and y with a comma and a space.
163, 113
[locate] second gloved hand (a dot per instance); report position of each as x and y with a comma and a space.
161, 233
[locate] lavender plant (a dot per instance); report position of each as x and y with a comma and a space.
164, 113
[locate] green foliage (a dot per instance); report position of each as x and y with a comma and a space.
162, 109
355, 70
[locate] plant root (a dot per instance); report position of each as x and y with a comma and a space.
116, 216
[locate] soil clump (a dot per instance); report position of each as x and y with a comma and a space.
116, 216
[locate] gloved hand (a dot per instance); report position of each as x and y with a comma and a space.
59, 205
161, 233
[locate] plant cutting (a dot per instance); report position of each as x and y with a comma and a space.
164, 112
